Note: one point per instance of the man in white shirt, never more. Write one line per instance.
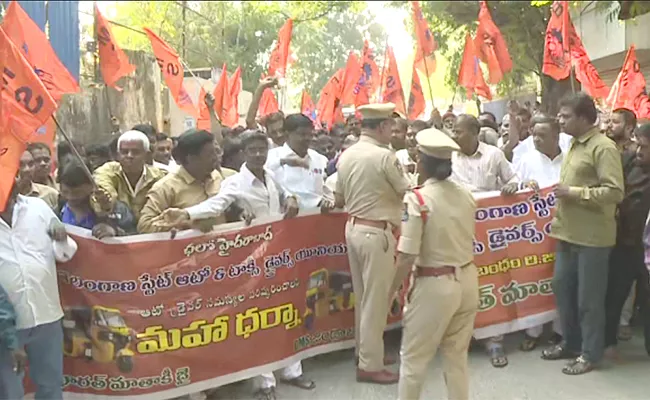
(31, 240)
(295, 166)
(256, 191)
(162, 153)
(482, 168)
(541, 168)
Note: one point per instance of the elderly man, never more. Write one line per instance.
(26, 185)
(591, 185)
(481, 168)
(31, 240)
(127, 180)
(371, 184)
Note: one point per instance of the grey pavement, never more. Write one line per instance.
(527, 377)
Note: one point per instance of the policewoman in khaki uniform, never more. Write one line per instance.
(371, 186)
(437, 236)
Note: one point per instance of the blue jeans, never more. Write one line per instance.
(44, 347)
(580, 287)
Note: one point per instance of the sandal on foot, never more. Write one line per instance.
(529, 343)
(300, 382)
(624, 333)
(265, 394)
(578, 366)
(557, 352)
(498, 357)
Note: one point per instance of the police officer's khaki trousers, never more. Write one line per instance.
(440, 313)
(371, 252)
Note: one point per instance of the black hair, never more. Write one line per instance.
(401, 123)
(541, 118)
(582, 106)
(523, 112)
(38, 146)
(73, 174)
(99, 150)
(147, 129)
(643, 131)
(434, 167)
(338, 129)
(273, 117)
(252, 135)
(238, 130)
(372, 123)
(471, 122)
(191, 142)
(161, 137)
(231, 146)
(489, 114)
(350, 118)
(63, 149)
(320, 132)
(293, 122)
(628, 116)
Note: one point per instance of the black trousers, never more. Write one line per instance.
(626, 264)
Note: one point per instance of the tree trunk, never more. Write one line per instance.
(552, 93)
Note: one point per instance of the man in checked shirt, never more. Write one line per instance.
(482, 168)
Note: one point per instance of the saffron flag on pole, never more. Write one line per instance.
(38, 52)
(470, 75)
(351, 78)
(369, 79)
(231, 102)
(280, 53)
(557, 58)
(628, 91)
(173, 73)
(220, 93)
(113, 63)
(416, 97)
(425, 59)
(327, 108)
(392, 91)
(490, 46)
(26, 104)
(268, 104)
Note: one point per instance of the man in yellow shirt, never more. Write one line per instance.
(194, 182)
(26, 185)
(128, 179)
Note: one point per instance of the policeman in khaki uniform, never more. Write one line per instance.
(437, 237)
(371, 185)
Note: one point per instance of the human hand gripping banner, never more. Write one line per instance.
(150, 317)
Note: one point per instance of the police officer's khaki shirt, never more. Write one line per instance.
(372, 181)
(179, 190)
(447, 238)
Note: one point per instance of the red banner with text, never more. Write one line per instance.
(152, 317)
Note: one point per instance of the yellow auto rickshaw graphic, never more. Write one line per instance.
(99, 334)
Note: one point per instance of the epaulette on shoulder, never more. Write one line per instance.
(424, 210)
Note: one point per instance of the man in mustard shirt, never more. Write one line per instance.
(590, 187)
(194, 182)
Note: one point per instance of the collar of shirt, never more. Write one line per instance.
(480, 151)
(140, 182)
(33, 192)
(250, 177)
(588, 135)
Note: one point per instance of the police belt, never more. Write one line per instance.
(421, 272)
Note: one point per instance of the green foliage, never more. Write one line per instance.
(243, 33)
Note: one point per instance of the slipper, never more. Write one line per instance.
(624, 333)
(300, 382)
(529, 343)
(498, 357)
(578, 366)
(557, 352)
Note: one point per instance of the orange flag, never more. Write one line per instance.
(416, 98)
(268, 104)
(369, 79)
(557, 59)
(392, 91)
(203, 120)
(231, 101)
(280, 53)
(425, 59)
(220, 93)
(327, 108)
(113, 63)
(490, 46)
(629, 90)
(470, 75)
(307, 106)
(26, 104)
(351, 78)
(173, 73)
(35, 47)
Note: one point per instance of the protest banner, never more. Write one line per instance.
(151, 317)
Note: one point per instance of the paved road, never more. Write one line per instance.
(526, 378)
